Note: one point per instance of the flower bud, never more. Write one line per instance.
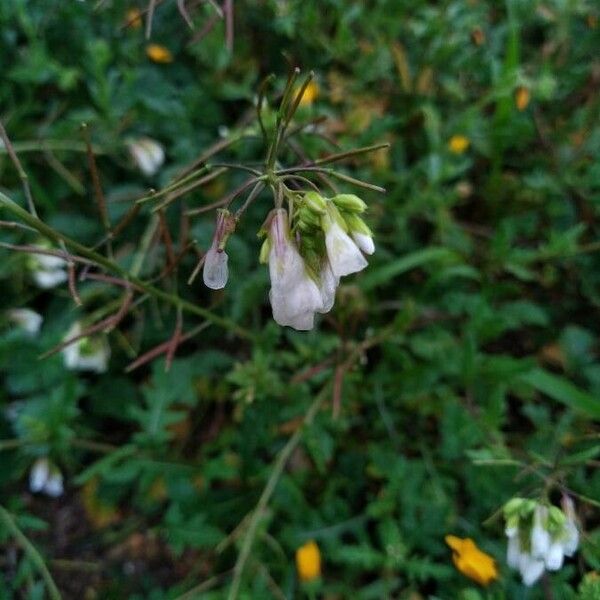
(349, 202)
(315, 202)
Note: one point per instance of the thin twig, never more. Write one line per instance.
(21, 172)
(258, 512)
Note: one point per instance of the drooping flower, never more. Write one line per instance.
(471, 561)
(147, 154)
(89, 353)
(294, 295)
(344, 255)
(46, 477)
(28, 320)
(308, 561)
(539, 536)
(47, 270)
(216, 271)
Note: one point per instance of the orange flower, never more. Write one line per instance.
(308, 561)
(458, 144)
(159, 54)
(311, 93)
(471, 561)
(522, 97)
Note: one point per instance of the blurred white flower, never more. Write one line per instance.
(147, 154)
(294, 295)
(47, 270)
(26, 319)
(86, 354)
(344, 255)
(539, 537)
(46, 478)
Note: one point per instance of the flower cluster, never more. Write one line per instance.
(539, 536)
(308, 249)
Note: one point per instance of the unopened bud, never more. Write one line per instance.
(349, 202)
(315, 202)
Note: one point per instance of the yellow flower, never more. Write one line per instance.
(522, 97)
(311, 93)
(458, 144)
(308, 561)
(133, 18)
(159, 54)
(471, 561)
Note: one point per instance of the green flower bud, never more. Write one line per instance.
(315, 202)
(306, 215)
(349, 202)
(356, 224)
(265, 250)
(512, 507)
(556, 517)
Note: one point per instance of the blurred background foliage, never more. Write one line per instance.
(461, 368)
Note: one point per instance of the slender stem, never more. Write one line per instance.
(114, 267)
(31, 551)
(257, 514)
(342, 155)
(332, 173)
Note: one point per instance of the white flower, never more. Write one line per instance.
(364, 242)
(86, 354)
(540, 537)
(46, 477)
(26, 319)
(147, 154)
(344, 255)
(216, 271)
(571, 533)
(294, 294)
(48, 271)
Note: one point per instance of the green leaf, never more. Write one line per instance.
(410, 261)
(563, 390)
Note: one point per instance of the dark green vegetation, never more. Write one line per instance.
(461, 368)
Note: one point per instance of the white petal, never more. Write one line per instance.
(49, 262)
(531, 569)
(540, 538)
(216, 271)
(49, 279)
(54, 484)
(27, 319)
(327, 287)
(364, 242)
(571, 540)
(554, 556)
(147, 154)
(38, 476)
(343, 253)
(513, 552)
